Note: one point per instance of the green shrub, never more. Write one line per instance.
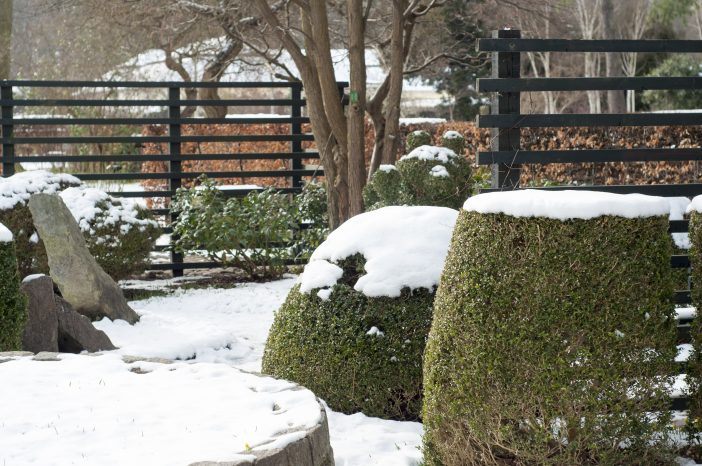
(311, 213)
(676, 65)
(13, 303)
(119, 233)
(552, 343)
(249, 233)
(454, 141)
(354, 329)
(429, 175)
(694, 365)
(416, 139)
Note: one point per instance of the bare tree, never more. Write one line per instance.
(613, 63)
(5, 38)
(589, 22)
(638, 13)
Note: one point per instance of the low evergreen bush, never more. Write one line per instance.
(417, 138)
(118, 233)
(13, 303)
(694, 365)
(354, 329)
(553, 337)
(429, 175)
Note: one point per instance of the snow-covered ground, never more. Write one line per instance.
(207, 328)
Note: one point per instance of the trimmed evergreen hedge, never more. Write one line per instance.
(694, 364)
(552, 343)
(13, 303)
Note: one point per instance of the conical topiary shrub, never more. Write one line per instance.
(553, 336)
(13, 303)
(353, 329)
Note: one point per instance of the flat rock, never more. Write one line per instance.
(81, 280)
(41, 329)
(128, 358)
(46, 356)
(15, 354)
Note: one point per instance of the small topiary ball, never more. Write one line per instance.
(454, 141)
(416, 139)
(553, 338)
(353, 329)
(384, 189)
(13, 303)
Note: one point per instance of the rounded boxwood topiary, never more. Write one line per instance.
(553, 336)
(429, 175)
(454, 141)
(353, 329)
(416, 139)
(13, 303)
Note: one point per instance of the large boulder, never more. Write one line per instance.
(553, 339)
(353, 330)
(80, 279)
(54, 326)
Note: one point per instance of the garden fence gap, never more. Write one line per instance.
(506, 119)
(20, 94)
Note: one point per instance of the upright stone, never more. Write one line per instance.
(78, 276)
(41, 330)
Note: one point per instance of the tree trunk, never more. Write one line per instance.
(5, 38)
(213, 73)
(391, 141)
(356, 109)
(613, 66)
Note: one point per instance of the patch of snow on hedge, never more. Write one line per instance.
(103, 411)
(88, 204)
(5, 234)
(387, 168)
(404, 246)
(452, 135)
(433, 153)
(18, 188)
(695, 205)
(439, 171)
(568, 204)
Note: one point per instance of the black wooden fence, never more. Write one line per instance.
(506, 119)
(18, 94)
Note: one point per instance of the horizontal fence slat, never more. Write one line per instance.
(157, 84)
(666, 190)
(204, 265)
(589, 120)
(680, 261)
(152, 121)
(679, 404)
(192, 175)
(679, 226)
(682, 297)
(149, 102)
(638, 83)
(166, 157)
(579, 45)
(226, 192)
(588, 156)
(156, 139)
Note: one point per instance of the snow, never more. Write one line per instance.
(93, 208)
(375, 331)
(172, 414)
(387, 168)
(17, 189)
(242, 316)
(695, 205)
(404, 246)
(5, 234)
(32, 277)
(439, 171)
(452, 135)
(568, 204)
(432, 153)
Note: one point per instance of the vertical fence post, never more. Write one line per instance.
(8, 146)
(296, 128)
(174, 164)
(505, 65)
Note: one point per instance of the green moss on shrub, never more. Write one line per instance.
(324, 345)
(552, 343)
(13, 303)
